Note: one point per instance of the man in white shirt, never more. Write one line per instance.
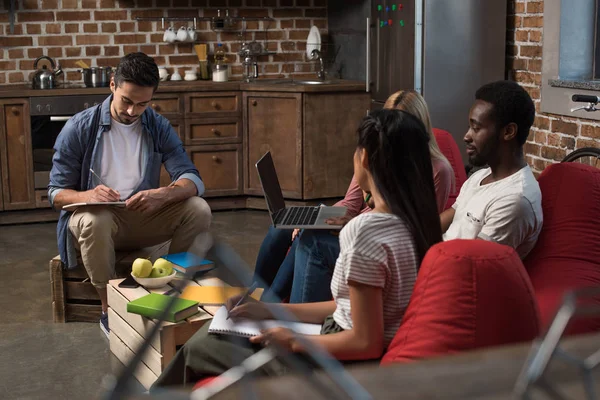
(502, 203)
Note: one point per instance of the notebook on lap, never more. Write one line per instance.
(291, 217)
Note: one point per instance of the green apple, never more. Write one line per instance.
(141, 267)
(164, 264)
(159, 272)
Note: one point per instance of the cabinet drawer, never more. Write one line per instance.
(41, 199)
(220, 168)
(223, 104)
(207, 131)
(167, 104)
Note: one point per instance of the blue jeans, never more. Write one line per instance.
(274, 265)
(316, 255)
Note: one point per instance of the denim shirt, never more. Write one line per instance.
(77, 150)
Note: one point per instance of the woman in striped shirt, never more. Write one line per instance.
(374, 276)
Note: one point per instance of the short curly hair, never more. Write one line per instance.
(139, 69)
(512, 104)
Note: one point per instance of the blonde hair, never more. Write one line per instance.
(413, 103)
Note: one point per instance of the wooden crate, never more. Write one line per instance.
(128, 330)
(74, 298)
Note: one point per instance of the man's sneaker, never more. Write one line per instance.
(104, 324)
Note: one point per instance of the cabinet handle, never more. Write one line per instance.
(254, 103)
(215, 132)
(215, 105)
(216, 159)
(14, 111)
(155, 107)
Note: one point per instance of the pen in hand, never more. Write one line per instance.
(101, 181)
(251, 289)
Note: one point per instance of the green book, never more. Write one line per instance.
(153, 304)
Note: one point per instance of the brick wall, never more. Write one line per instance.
(99, 32)
(552, 136)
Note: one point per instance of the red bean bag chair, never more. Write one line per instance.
(450, 149)
(567, 253)
(469, 294)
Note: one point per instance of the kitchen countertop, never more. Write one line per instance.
(265, 85)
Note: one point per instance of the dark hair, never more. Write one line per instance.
(400, 164)
(137, 68)
(511, 103)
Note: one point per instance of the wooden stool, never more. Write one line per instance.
(74, 298)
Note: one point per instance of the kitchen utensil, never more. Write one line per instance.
(96, 76)
(163, 73)
(201, 53)
(190, 75)
(182, 34)
(192, 34)
(175, 76)
(170, 36)
(81, 64)
(313, 41)
(46, 78)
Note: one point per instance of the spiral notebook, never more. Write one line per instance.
(249, 328)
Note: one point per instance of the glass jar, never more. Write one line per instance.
(220, 73)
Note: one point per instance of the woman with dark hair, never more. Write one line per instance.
(374, 274)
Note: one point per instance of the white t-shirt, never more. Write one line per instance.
(508, 211)
(121, 163)
(378, 250)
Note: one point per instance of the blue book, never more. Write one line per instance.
(189, 263)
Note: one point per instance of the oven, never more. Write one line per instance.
(48, 117)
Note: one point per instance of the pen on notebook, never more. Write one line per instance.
(251, 289)
(98, 177)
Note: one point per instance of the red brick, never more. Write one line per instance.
(69, 3)
(535, 36)
(7, 65)
(15, 41)
(567, 128)
(92, 39)
(521, 36)
(554, 139)
(54, 52)
(534, 92)
(539, 137)
(70, 62)
(2, 78)
(108, 61)
(34, 29)
(513, 22)
(109, 27)
(530, 51)
(73, 15)
(253, 12)
(89, 4)
(533, 22)
(581, 143)
(315, 13)
(146, 13)
(30, 4)
(553, 153)
(90, 28)
(532, 149)
(590, 131)
(145, 26)
(55, 40)
(92, 51)
(71, 28)
(49, 4)
(542, 122)
(298, 34)
(539, 164)
(53, 28)
(15, 77)
(185, 3)
(128, 39)
(183, 60)
(286, 23)
(16, 53)
(519, 8)
(567, 142)
(111, 50)
(73, 51)
(110, 15)
(127, 27)
(535, 7)
(38, 16)
(35, 53)
(108, 4)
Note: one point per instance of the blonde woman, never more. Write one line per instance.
(305, 273)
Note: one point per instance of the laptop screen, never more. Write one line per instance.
(270, 183)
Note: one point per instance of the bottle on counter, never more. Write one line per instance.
(220, 70)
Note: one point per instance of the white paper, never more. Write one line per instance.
(248, 328)
(108, 203)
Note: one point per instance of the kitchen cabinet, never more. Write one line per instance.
(312, 137)
(273, 122)
(220, 167)
(16, 155)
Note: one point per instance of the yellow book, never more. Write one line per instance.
(215, 295)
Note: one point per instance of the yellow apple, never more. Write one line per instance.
(161, 268)
(141, 267)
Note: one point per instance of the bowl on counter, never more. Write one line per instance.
(155, 283)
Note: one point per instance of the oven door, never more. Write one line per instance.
(44, 131)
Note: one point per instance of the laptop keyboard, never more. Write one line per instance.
(299, 216)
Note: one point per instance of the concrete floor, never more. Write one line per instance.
(40, 359)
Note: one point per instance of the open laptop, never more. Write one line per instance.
(283, 217)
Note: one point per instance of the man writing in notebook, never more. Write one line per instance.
(112, 152)
(502, 203)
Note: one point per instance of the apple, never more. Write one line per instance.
(161, 268)
(141, 267)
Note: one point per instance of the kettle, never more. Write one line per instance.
(44, 78)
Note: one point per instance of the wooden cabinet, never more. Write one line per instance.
(311, 136)
(273, 122)
(220, 167)
(213, 130)
(16, 155)
(213, 103)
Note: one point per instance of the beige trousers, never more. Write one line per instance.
(99, 231)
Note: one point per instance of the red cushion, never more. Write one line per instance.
(468, 294)
(450, 149)
(567, 254)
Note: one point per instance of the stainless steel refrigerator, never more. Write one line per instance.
(445, 49)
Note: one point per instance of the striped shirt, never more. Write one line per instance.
(376, 249)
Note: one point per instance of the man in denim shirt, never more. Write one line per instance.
(124, 143)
